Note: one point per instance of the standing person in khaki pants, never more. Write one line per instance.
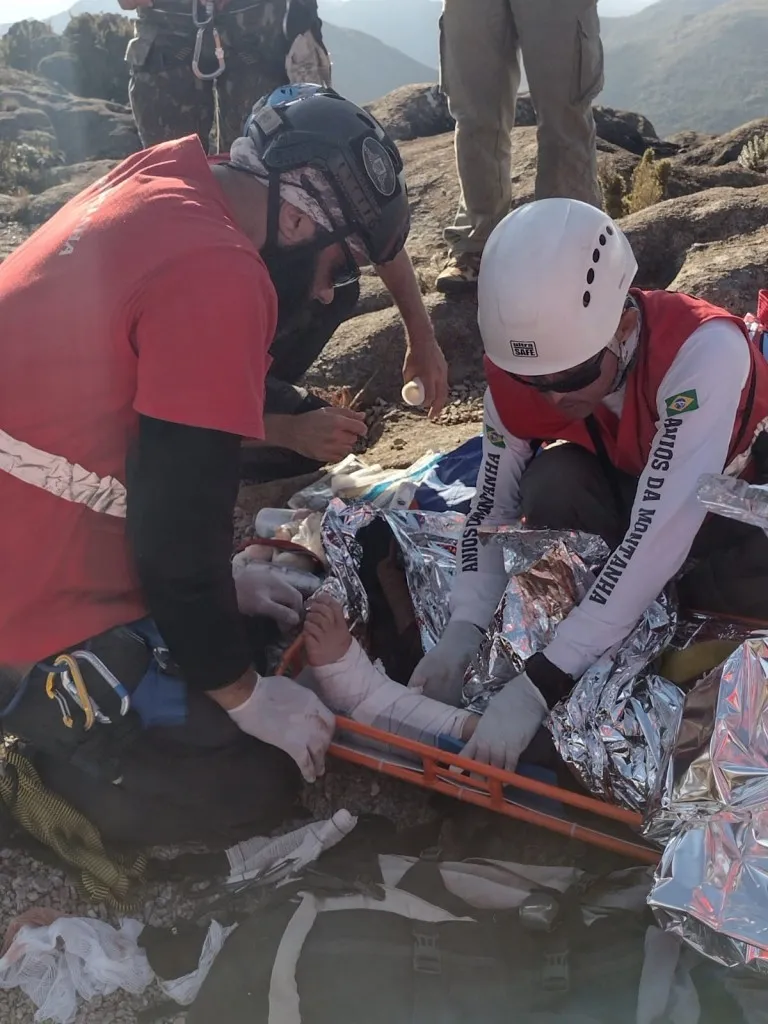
(481, 42)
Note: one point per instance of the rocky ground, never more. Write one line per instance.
(709, 237)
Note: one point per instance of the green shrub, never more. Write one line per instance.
(24, 168)
(649, 183)
(754, 155)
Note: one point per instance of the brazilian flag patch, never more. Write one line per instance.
(495, 438)
(686, 401)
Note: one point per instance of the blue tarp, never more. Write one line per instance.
(450, 484)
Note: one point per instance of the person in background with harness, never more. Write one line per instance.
(131, 648)
(196, 65)
(604, 406)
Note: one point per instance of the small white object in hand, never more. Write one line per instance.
(413, 392)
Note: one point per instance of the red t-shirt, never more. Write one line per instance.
(142, 296)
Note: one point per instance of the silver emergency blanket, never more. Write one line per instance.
(522, 547)
(619, 722)
(711, 887)
(344, 554)
(427, 541)
(550, 582)
(735, 499)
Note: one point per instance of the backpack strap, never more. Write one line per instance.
(609, 470)
(423, 879)
(747, 415)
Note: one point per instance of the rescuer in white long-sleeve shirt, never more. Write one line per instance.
(650, 390)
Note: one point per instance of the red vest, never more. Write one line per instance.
(669, 319)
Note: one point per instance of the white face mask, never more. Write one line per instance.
(627, 349)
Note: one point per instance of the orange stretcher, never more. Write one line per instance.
(478, 784)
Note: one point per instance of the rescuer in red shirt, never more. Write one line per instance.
(136, 326)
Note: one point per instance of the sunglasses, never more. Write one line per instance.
(579, 377)
(350, 272)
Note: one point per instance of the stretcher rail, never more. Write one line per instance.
(479, 784)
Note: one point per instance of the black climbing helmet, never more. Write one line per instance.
(310, 126)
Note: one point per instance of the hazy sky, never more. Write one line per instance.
(10, 9)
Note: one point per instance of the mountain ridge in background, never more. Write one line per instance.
(365, 67)
(698, 64)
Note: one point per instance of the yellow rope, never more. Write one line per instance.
(103, 877)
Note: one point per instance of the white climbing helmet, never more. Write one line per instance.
(553, 281)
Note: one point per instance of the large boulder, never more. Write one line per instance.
(413, 112)
(629, 131)
(82, 129)
(70, 181)
(434, 188)
(368, 350)
(729, 273)
(723, 149)
(420, 111)
(685, 179)
(663, 235)
(24, 119)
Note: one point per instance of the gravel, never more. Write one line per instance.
(27, 882)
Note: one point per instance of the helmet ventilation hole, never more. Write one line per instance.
(596, 256)
(609, 229)
(603, 239)
(590, 276)
(586, 299)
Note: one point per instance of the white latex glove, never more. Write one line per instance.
(291, 717)
(307, 61)
(440, 673)
(510, 722)
(262, 589)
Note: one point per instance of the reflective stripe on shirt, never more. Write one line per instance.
(67, 480)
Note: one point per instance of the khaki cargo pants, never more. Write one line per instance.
(481, 42)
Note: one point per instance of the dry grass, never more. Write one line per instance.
(754, 155)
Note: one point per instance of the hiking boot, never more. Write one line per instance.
(459, 274)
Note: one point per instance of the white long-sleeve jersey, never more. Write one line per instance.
(712, 366)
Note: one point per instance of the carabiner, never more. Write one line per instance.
(76, 687)
(107, 676)
(209, 11)
(218, 49)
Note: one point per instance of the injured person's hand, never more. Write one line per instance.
(351, 685)
(326, 635)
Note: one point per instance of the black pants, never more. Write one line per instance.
(565, 488)
(204, 781)
(297, 345)
(200, 781)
